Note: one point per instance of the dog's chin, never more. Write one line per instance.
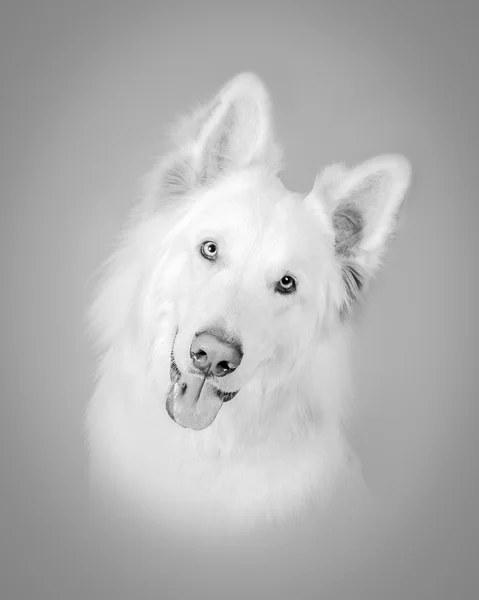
(192, 400)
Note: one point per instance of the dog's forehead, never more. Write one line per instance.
(249, 201)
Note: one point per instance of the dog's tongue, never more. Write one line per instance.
(191, 403)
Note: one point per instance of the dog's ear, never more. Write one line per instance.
(232, 132)
(361, 205)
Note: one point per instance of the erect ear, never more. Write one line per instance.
(231, 132)
(362, 205)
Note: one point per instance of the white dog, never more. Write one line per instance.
(223, 322)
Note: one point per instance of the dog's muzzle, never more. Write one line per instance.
(193, 401)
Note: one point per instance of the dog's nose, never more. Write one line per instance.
(214, 354)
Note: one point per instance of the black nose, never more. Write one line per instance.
(215, 354)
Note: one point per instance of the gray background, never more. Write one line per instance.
(87, 89)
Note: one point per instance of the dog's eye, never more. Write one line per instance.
(209, 250)
(286, 285)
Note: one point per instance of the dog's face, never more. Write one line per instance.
(257, 270)
(254, 270)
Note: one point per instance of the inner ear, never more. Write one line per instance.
(218, 153)
(348, 226)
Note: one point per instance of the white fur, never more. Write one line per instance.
(279, 443)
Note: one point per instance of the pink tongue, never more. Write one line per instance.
(191, 403)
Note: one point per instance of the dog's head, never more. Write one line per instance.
(254, 273)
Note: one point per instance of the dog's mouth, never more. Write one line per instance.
(193, 401)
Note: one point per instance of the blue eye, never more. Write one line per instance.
(286, 285)
(209, 250)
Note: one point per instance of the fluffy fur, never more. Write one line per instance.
(279, 443)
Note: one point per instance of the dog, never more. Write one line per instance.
(223, 321)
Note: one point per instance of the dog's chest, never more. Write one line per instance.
(170, 469)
